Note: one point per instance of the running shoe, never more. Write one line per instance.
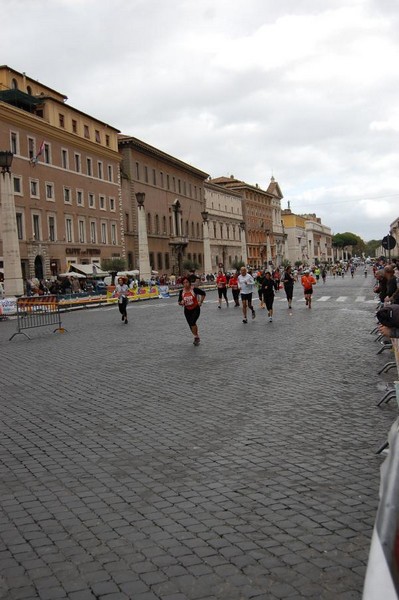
(244, 321)
(219, 306)
(196, 341)
(270, 319)
(253, 314)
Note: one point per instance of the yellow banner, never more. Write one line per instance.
(141, 293)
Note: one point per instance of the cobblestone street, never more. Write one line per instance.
(137, 466)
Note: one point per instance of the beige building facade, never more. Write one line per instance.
(224, 216)
(308, 240)
(261, 211)
(65, 176)
(174, 201)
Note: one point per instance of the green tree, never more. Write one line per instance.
(371, 246)
(113, 265)
(190, 265)
(237, 264)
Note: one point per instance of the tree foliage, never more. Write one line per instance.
(113, 265)
(343, 240)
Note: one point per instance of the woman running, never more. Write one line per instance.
(267, 287)
(288, 280)
(121, 291)
(191, 298)
(233, 283)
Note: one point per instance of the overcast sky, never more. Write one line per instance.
(305, 90)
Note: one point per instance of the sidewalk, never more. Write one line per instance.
(136, 466)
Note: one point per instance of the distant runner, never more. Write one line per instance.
(191, 298)
(308, 281)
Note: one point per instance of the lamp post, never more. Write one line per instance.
(144, 259)
(243, 244)
(207, 244)
(13, 282)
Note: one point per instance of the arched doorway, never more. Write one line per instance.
(39, 267)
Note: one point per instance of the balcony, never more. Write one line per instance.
(176, 240)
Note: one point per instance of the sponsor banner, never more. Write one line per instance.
(8, 306)
(134, 294)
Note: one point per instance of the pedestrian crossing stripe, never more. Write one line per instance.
(341, 299)
(323, 299)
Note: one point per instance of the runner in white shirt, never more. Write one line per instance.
(246, 283)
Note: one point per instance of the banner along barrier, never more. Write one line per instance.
(382, 575)
(37, 311)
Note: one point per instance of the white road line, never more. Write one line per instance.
(360, 299)
(342, 299)
(323, 298)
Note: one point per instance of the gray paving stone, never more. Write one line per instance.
(159, 483)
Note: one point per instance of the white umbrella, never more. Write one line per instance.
(72, 274)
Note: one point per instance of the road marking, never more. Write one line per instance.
(360, 299)
(323, 298)
(342, 299)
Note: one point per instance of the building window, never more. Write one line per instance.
(154, 177)
(160, 263)
(92, 201)
(14, 142)
(110, 173)
(14, 84)
(31, 147)
(148, 223)
(192, 229)
(36, 227)
(164, 231)
(89, 167)
(51, 229)
(167, 182)
(47, 154)
(61, 120)
(157, 224)
(79, 197)
(113, 233)
(49, 191)
(67, 195)
(20, 229)
(161, 176)
(17, 184)
(74, 126)
(198, 231)
(167, 261)
(98, 136)
(137, 171)
(174, 183)
(101, 200)
(146, 174)
(184, 188)
(93, 232)
(100, 169)
(107, 141)
(64, 158)
(112, 204)
(68, 229)
(81, 229)
(86, 132)
(151, 257)
(179, 186)
(103, 233)
(77, 163)
(34, 188)
(127, 222)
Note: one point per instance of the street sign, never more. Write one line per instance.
(388, 242)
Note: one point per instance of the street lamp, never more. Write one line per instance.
(205, 216)
(144, 258)
(13, 283)
(207, 244)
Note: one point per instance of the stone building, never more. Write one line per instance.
(224, 226)
(262, 216)
(308, 240)
(174, 201)
(65, 176)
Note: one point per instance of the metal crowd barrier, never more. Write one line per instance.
(37, 311)
(382, 574)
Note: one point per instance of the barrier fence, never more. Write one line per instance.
(382, 575)
(40, 311)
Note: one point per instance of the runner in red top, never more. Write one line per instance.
(221, 282)
(235, 289)
(308, 281)
(191, 298)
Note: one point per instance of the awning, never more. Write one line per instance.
(91, 270)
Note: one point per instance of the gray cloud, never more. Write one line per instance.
(304, 90)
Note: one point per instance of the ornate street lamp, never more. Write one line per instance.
(13, 283)
(6, 161)
(205, 216)
(144, 258)
(140, 197)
